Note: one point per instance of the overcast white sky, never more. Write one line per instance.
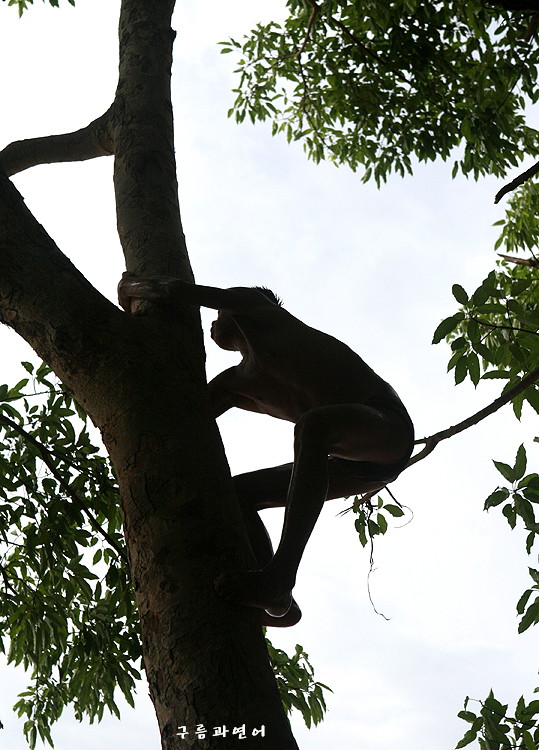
(373, 268)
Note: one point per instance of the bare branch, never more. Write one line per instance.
(520, 180)
(432, 441)
(87, 143)
(533, 262)
(48, 302)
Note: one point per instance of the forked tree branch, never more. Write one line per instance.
(87, 143)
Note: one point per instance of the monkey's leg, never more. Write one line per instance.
(268, 488)
(351, 431)
(270, 589)
(263, 489)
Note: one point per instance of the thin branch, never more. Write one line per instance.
(346, 31)
(533, 262)
(310, 24)
(45, 456)
(432, 441)
(504, 327)
(7, 582)
(87, 143)
(520, 180)
(298, 53)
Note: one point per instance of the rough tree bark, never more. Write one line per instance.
(141, 379)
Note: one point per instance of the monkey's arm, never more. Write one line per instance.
(223, 396)
(237, 299)
(220, 396)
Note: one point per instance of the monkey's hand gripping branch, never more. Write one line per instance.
(87, 143)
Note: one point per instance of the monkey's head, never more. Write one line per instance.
(225, 332)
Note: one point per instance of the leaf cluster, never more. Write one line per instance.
(520, 228)
(495, 334)
(381, 85)
(495, 730)
(67, 612)
(22, 5)
(524, 492)
(518, 503)
(297, 686)
(372, 520)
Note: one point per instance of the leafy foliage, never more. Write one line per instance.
(495, 333)
(495, 730)
(67, 612)
(492, 727)
(372, 520)
(519, 501)
(22, 5)
(520, 229)
(529, 612)
(297, 687)
(377, 85)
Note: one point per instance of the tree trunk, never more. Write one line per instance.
(141, 379)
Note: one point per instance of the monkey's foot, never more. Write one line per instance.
(292, 617)
(256, 588)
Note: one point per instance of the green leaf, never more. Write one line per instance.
(509, 512)
(496, 498)
(381, 522)
(534, 574)
(529, 742)
(467, 716)
(461, 370)
(474, 331)
(481, 295)
(459, 343)
(468, 738)
(473, 368)
(360, 526)
(496, 374)
(532, 397)
(531, 616)
(523, 601)
(446, 327)
(459, 294)
(506, 471)
(525, 510)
